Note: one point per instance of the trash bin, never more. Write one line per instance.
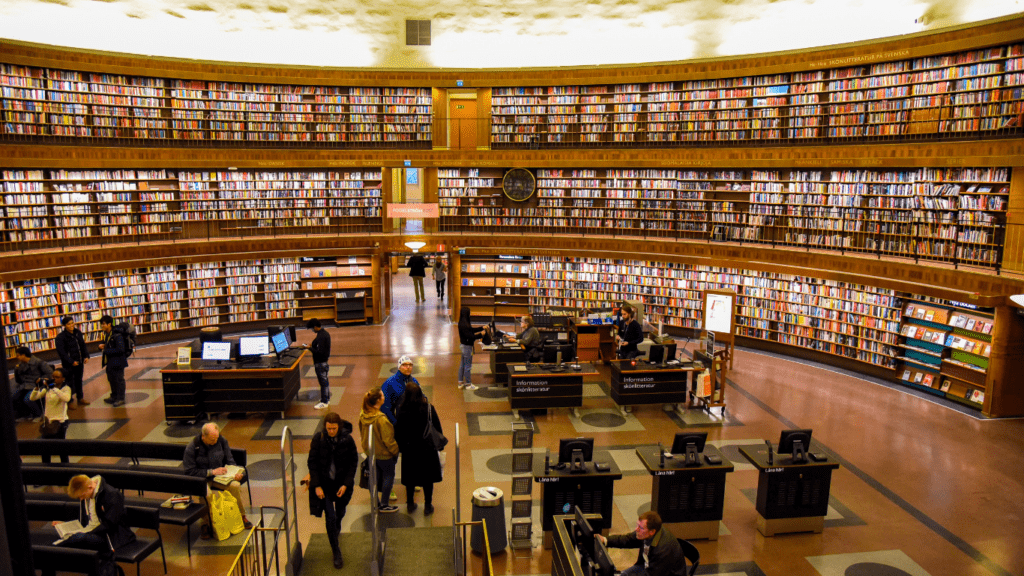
(489, 505)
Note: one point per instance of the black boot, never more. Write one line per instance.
(338, 562)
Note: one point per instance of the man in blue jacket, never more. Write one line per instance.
(115, 360)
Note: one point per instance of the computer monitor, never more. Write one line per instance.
(551, 350)
(691, 444)
(601, 564)
(796, 442)
(661, 353)
(584, 535)
(280, 342)
(216, 351)
(289, 332)
(253, 346)
(575, 452)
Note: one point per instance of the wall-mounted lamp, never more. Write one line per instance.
(415, 246)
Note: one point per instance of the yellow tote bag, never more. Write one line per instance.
(218, 519)
(232, 514)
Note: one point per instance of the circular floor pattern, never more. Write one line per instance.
(603, 420)
(133, 397)
(502, 464)
(491, 392)
(644, 508)
(873, 569)
(183, 430)
(265, 470)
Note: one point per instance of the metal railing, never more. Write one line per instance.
(259, 552)
(460, 543)
(293, 548)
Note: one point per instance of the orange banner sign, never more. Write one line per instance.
(424, 210)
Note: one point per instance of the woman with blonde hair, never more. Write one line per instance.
(385, 449)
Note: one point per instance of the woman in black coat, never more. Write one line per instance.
(421, 462)
(332, 465)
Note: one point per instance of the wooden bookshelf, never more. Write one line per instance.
(45, 102)
(946, 349)
(324, 278)
(495, 286)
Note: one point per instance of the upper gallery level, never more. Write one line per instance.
(963, 83)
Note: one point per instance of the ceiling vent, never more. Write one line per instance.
(417, 32)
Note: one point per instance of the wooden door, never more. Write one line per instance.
(463, 120)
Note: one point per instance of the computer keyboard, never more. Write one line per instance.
(214, 366)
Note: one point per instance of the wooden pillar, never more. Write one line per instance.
(1013, 246)
(378, 293)
(386, 190)
(483, 110)
(428, 183)
(455, 287)
(440, 127)
(1004, 393)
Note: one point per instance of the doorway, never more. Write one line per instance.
(462, 113)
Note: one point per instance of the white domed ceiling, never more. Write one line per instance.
(473, 33)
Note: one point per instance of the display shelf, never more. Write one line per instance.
(495, 286)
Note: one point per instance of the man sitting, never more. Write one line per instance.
(101, 513)
(659, 554)
(207, 456)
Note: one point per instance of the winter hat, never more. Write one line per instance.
(404, 360)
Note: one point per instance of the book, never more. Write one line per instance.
(930, 315)
(978, 396)
(920, 313)
(229, 476)
(906, 375)
(66, 529)
(978, 347)
(910, 310)
(970, 324)
(987, 328)
(927, 381)
(937, 337)
(988, 350)
(918, 377)
(945, 385)
(912, 331)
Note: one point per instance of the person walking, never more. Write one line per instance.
(332, 466)
(70, 345)
(439, 272)
(115, 360)
(467, 338)
(321, 348)
(55, 394)
(385, 449)
(421, 462)
(418, 270)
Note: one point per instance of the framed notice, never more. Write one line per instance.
(718, 311)
(185, 356)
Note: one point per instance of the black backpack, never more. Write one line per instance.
(127, 332)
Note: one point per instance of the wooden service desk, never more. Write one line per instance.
(501, 356)
(191, 392)
(560, 490)
(539, 387)
(790, 497)
(648, 384)
(688, 498)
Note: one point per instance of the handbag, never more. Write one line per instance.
(218, 519)
(49, 428)
(364, 474)
(433, 435)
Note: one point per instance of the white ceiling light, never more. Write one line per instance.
(415, 246)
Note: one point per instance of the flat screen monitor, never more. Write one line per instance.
(280, 342)
(584, 534)
(662, 353)
(602, 564)
(552, 349)
(289, 332)
(796, 442)
(217, 351)
(253, 346)
(691, 444)
(575, 451)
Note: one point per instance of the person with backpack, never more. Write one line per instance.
(116, 348)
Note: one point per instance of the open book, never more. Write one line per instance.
(229, 476)
(66, 529)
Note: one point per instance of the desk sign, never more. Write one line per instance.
(185, 356)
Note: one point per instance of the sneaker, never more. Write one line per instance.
(461, 385)
(117, 403)
(472, 387)
(109, 400)
(320, 406)
(393, 497)
(387, 509)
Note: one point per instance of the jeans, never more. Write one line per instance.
(22, 405)
(385, 479)
(417, 284)
(334, 511)
(466, 367)
(634, 570)
(73, 376)
(440, 288)
(62, 433)
(117, 385)
(321, 370)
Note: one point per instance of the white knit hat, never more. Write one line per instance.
(404, 360)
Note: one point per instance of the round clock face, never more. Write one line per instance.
(519, 184)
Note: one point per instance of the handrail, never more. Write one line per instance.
(488, 566)
(248, 560)
(376, 539)
(458, 475)
(291, 517)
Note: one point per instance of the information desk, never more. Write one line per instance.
(648, 384)
(501, 356)
(560, 490)
(191, 392)
(689, 499)
(790, 497)
(540, 387)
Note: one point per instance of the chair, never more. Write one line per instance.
(692, 555)
(141, 548)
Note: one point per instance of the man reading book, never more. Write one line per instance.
(209, 456)
(102, 524)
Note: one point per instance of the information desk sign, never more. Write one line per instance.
(544, 386)
(791, 497)
(638, 382)
(689, 499)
